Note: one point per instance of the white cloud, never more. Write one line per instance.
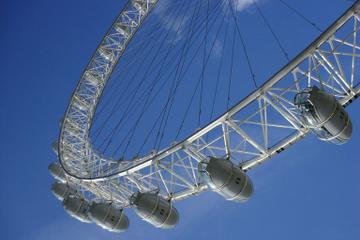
(217, 49)
(178, 23)
(241, 5)
(171, 21)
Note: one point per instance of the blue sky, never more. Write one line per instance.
(310, 191)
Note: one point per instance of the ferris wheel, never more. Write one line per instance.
(307, 96)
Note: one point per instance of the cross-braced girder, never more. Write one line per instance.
(256, 129)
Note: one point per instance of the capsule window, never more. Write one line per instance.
(342, 115)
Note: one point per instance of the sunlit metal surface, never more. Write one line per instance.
(256, 129)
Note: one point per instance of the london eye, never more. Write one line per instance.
(121, 147)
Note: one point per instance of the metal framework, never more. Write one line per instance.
(256, 129)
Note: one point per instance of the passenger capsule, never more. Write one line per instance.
(227, 179)
(77, 208)
(62, 190)
(324, 115)
(108, 217)
(57, 172)
(155, 210)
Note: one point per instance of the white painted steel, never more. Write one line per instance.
(256, 129)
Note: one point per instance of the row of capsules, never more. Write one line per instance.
(321, 113)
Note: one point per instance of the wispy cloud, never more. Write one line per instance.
(170, 20)
(241, 5)
(217, 50)
(177, 23)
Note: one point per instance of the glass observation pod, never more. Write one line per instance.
(324, 115)
(230, 181)
(109, 217)
(77, 207)
(61, 190)
(57, 172)
(155, 210)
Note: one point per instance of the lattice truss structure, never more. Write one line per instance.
(256, 129)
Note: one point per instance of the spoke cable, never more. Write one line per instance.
(301, 15)
(267, 23)
(132, 131)
(195, 90)
(158, 76)
(231, 70)
(189, 64)
(219, 68)
(205, 64)
(109, 139)
(251, 70)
